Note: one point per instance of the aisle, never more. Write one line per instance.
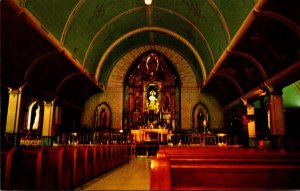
(132, 176)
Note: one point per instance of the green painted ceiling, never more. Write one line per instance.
(291, 95)
(229, 44)
(87, 28)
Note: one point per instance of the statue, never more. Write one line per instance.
(103, 118)
(200, 121)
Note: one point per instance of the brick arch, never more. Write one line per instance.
(184, 69)
(113, 90)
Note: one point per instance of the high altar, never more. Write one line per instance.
(151, 104)
(150, 135)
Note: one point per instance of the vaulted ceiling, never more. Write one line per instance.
(235, 47)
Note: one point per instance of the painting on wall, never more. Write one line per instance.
(103, 116)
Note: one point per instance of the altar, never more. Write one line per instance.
(146, 136)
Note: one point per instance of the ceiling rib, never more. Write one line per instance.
(297, 88)
(194, 27)
(70, 19)
(149, 13)
(31, 20)
(53, 96)
(103, 28)
(222, 19)
(232, 80)
(243, 28)
(252, 60)
(144, 29)
(64, 80)
(285, 21)
(37, 61)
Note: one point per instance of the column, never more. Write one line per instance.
(276, 119)
(251, 126)
(130, 108)
(173, 120)
(13, 117)
(48, 124)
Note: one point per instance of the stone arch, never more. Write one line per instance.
(189, 86)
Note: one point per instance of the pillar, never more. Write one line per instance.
(276, 119)
(173, 117)
(12, 135)
(130, 109)
(251, 126)
(48, 124)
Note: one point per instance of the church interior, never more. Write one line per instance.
(209, 90)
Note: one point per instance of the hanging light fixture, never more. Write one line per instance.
(148, 2)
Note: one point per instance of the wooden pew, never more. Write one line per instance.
(87, 163)
(95, 160)
(30, 169)
(113, 156)
(108, 158)
(7, 163)
(160, 176)
(101, 151)
(58, 168)
(199, 169)
(59, 171)
(234, 176)
(76, 165)
(119, 156)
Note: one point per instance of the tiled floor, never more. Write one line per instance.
(132, 176)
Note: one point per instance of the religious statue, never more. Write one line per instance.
(35, 125)
(103, 118)
(200, 120)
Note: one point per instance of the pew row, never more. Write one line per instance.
(7, 157)
(58, 168)
(227, 169)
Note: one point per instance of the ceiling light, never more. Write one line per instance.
(148, 2)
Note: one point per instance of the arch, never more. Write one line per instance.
(236, 84)
(185, 71)
(282, 19)
(252, 60)
(66, 79)
(156, 29)
(37, 61)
